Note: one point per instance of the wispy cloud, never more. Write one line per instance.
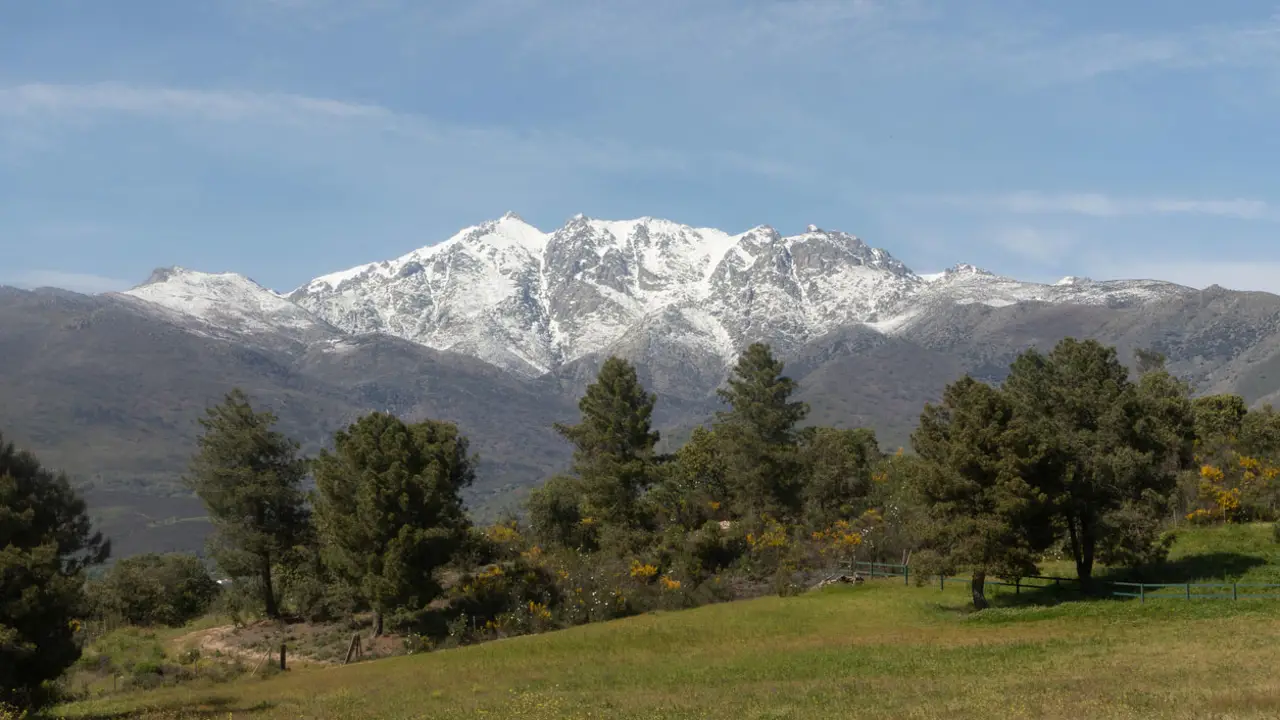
(77, 103)
(1102, 205)
(40, 98)
(76, 282)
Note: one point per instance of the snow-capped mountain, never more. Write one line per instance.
(529, 301)
(220, 303)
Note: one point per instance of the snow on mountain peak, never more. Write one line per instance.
(527, 300)
(229, 301)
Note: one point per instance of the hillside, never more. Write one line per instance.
(500, 327)
(877, 650)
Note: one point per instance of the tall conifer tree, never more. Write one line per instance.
(249, 476)
(388, 507)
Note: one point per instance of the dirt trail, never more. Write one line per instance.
(237, 643)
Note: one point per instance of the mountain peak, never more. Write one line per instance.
(1073, 280)
(161, 274)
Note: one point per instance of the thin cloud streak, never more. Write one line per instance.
(76, 103)
(1106, 206)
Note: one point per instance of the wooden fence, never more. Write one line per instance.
(1142, 591)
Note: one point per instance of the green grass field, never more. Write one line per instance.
(880, 650)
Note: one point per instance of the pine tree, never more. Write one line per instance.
(982, 513)
(1106, 449)
(46, 543)
(838, 464)
(614, 444)
(760, 435)
(250, 479)
(388, 507)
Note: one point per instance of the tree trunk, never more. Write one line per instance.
(979, 587)
(377, 623)
(1082, 556)
(268, 590)
(1087, 543)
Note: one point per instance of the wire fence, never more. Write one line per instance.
(1141, 591)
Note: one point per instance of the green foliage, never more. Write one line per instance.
(984, 513)
(838, 465)
(613, 456)
(760, 436)
(1104, 449)
(388, 507)
(694, 488)
(155, 589)
(1218, 420)
(557, 517)
(46, 543)
(249, 477)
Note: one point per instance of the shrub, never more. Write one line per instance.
(155, 589)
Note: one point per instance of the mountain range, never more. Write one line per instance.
(501, 326)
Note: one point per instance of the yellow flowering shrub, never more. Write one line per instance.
(643, 571)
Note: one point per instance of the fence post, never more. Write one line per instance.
(942, 581)
(1142, 593)
(906, 575)
(1235, 591)
(1188, 591)
(1017, 586)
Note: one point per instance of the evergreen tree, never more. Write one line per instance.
(250, 479)
(388, 507)
(1219, 420)
(838, 464)
(981, 512)
(694, 486)
(759, 432)
(614, 445)
(46, 543)
(556, 515)
(1107, 450)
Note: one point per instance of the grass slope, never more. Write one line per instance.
(880, 650)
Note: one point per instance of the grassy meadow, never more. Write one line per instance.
(879, 650)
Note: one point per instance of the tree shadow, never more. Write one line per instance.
(217, 706)
(1205, 568)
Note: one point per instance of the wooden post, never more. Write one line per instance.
(906, 575)
(353, 650)
(283, 666)
(1188, 591)
(1142, 593)
(1017, 586)
(942, 581)
(1235, 591)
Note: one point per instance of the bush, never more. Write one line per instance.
(155, 589)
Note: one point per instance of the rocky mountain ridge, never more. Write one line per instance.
(531, 302)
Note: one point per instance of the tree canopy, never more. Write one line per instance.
(249, 476)
(613, 442)
(760, 431)
(388, 507)
(46, 543)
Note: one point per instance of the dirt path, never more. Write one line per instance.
(237, 643)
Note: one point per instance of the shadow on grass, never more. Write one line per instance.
(1207, 568)
(217, 706)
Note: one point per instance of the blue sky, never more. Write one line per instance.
(289, 138)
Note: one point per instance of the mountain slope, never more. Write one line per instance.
(502, 326)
